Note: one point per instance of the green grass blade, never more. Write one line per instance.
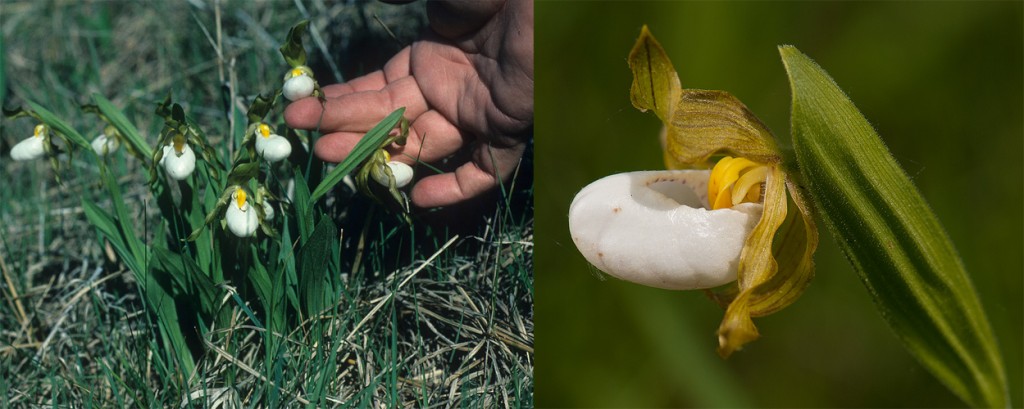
(892, 238)
(53, 121)
(123, 125)
(363, 149)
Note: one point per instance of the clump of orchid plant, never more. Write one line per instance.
(743, 227)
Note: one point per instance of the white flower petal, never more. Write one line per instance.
(653, 228)
(178, 167)
(241, 221)
(104, 145)
(28, 149)
(298, 87)
(273, 148)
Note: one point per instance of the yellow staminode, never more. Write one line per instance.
(734, 181)
(179, 143)
(240, 197)
(40, 129)
(387, 156)
(296, 72)
(264, 130)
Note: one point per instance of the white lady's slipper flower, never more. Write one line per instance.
(178, 159)
(104, 145)
(656, 228)
(401, 171)
(685, 232)
(241, 218)
(271, 146)
(298, 83)
(32, 147)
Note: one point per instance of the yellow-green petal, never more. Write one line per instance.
(757, 266)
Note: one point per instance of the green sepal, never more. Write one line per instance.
(892, 239)
(292, 50)
(15, 113)
(698, 123)
(215, 213)
(655, 85)
(260, 107)
(243, 172)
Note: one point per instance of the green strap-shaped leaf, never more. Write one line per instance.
(892, 238)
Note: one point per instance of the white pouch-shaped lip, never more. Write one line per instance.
(654, 228)
(28, 149)
(241, 220)
(273, 148)
(298, 87)
(178, 167)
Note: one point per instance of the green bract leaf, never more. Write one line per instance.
(363, 149)
(892, 238)
(292, 50)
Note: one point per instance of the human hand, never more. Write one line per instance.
(468, 83)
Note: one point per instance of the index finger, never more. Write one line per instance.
(359, 111)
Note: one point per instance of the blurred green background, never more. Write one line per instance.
(942, 84)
